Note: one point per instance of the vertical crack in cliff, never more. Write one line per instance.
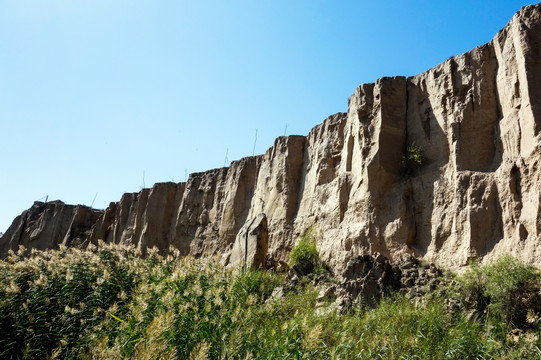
(408, 194)
(498, 141)
(246, 241)
(22, 229)
(300, 176)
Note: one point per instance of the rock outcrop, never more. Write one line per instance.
(47, 225)
(364, 281)
(367, 279)
(476, 118)
(251, 245)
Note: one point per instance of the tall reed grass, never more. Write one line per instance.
(109, 302)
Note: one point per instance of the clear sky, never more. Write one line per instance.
(105, 97)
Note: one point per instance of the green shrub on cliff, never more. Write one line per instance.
(413, 159)
(305, 251)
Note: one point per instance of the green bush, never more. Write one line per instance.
(413, 159)
(305, 251)
(505, 290)
(414, 154)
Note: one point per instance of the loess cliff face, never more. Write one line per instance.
(47, 225)
(477, 193)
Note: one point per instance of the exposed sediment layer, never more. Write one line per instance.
(476, 117)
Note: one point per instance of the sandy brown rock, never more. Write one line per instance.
(251, 245)
(47, 225)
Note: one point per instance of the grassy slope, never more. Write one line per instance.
(110, 303)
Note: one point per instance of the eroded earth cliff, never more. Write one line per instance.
(476, 119)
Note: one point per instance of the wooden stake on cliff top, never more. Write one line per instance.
(255, 141)
(95, 196)
(226, 160)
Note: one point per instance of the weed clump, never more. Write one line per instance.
(305, 255)
(506, 291)
(305, 251)
(413, 159)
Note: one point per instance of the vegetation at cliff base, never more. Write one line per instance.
(110, 302)
(305, 251)
(306, 254)
(506, 291)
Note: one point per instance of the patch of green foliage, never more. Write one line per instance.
(112, 303)
(506, 292)
(305, 251)
(413, 159)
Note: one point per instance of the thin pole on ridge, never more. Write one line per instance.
(95, 196)
(255, 141)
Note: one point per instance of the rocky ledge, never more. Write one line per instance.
(364, 281)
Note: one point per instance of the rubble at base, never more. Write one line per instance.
(365, 280)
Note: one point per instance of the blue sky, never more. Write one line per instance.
(103, 97)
